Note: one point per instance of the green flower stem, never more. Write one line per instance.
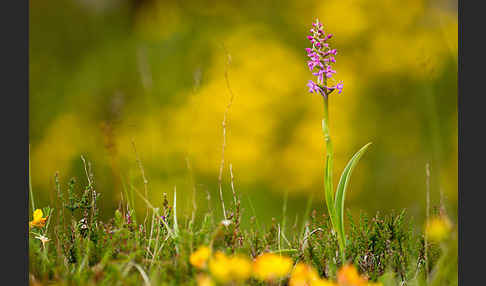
(328, 186)
(325, 128)
(329, 158)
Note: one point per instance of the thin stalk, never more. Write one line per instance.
(427, 216)
(284, 210)
(191, 178)
(329, 190)
(329, 159)
(327, 136)
(30, 186)
(145, 181)
(306, 213)
(224, 123)
(176, 226)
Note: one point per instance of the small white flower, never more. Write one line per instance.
(226, 222)
(43, 239)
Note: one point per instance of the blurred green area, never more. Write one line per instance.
(104, 73)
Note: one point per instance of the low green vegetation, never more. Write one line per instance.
(70, 245)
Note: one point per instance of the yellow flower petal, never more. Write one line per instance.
(225, 269)
(438, 228)
(204, 280)
(240, 268)
(219, 267)
(38, 214)
(200, 257)
(38, 219)
(348, 276)
(270, 266)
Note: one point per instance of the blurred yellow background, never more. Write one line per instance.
(104, 73)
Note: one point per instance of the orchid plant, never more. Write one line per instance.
(321, 58)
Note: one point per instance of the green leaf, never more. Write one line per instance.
(341, 191)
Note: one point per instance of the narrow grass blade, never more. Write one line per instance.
(176, 226)
(30, 186)
(156, 210)
(341, 190)
(306, 213)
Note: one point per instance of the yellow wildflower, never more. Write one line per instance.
(306, 275)
(200, 257)
(225, 269)
(437, 228)
(302, 275)
(322, 282)
(38, 220)
(240, 268)
(348, 276)
(219, 267)
(204, 280)
(269, 266)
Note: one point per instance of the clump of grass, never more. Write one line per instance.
(84, 250)
(383, 242)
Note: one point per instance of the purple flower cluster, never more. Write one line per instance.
(320, 59)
